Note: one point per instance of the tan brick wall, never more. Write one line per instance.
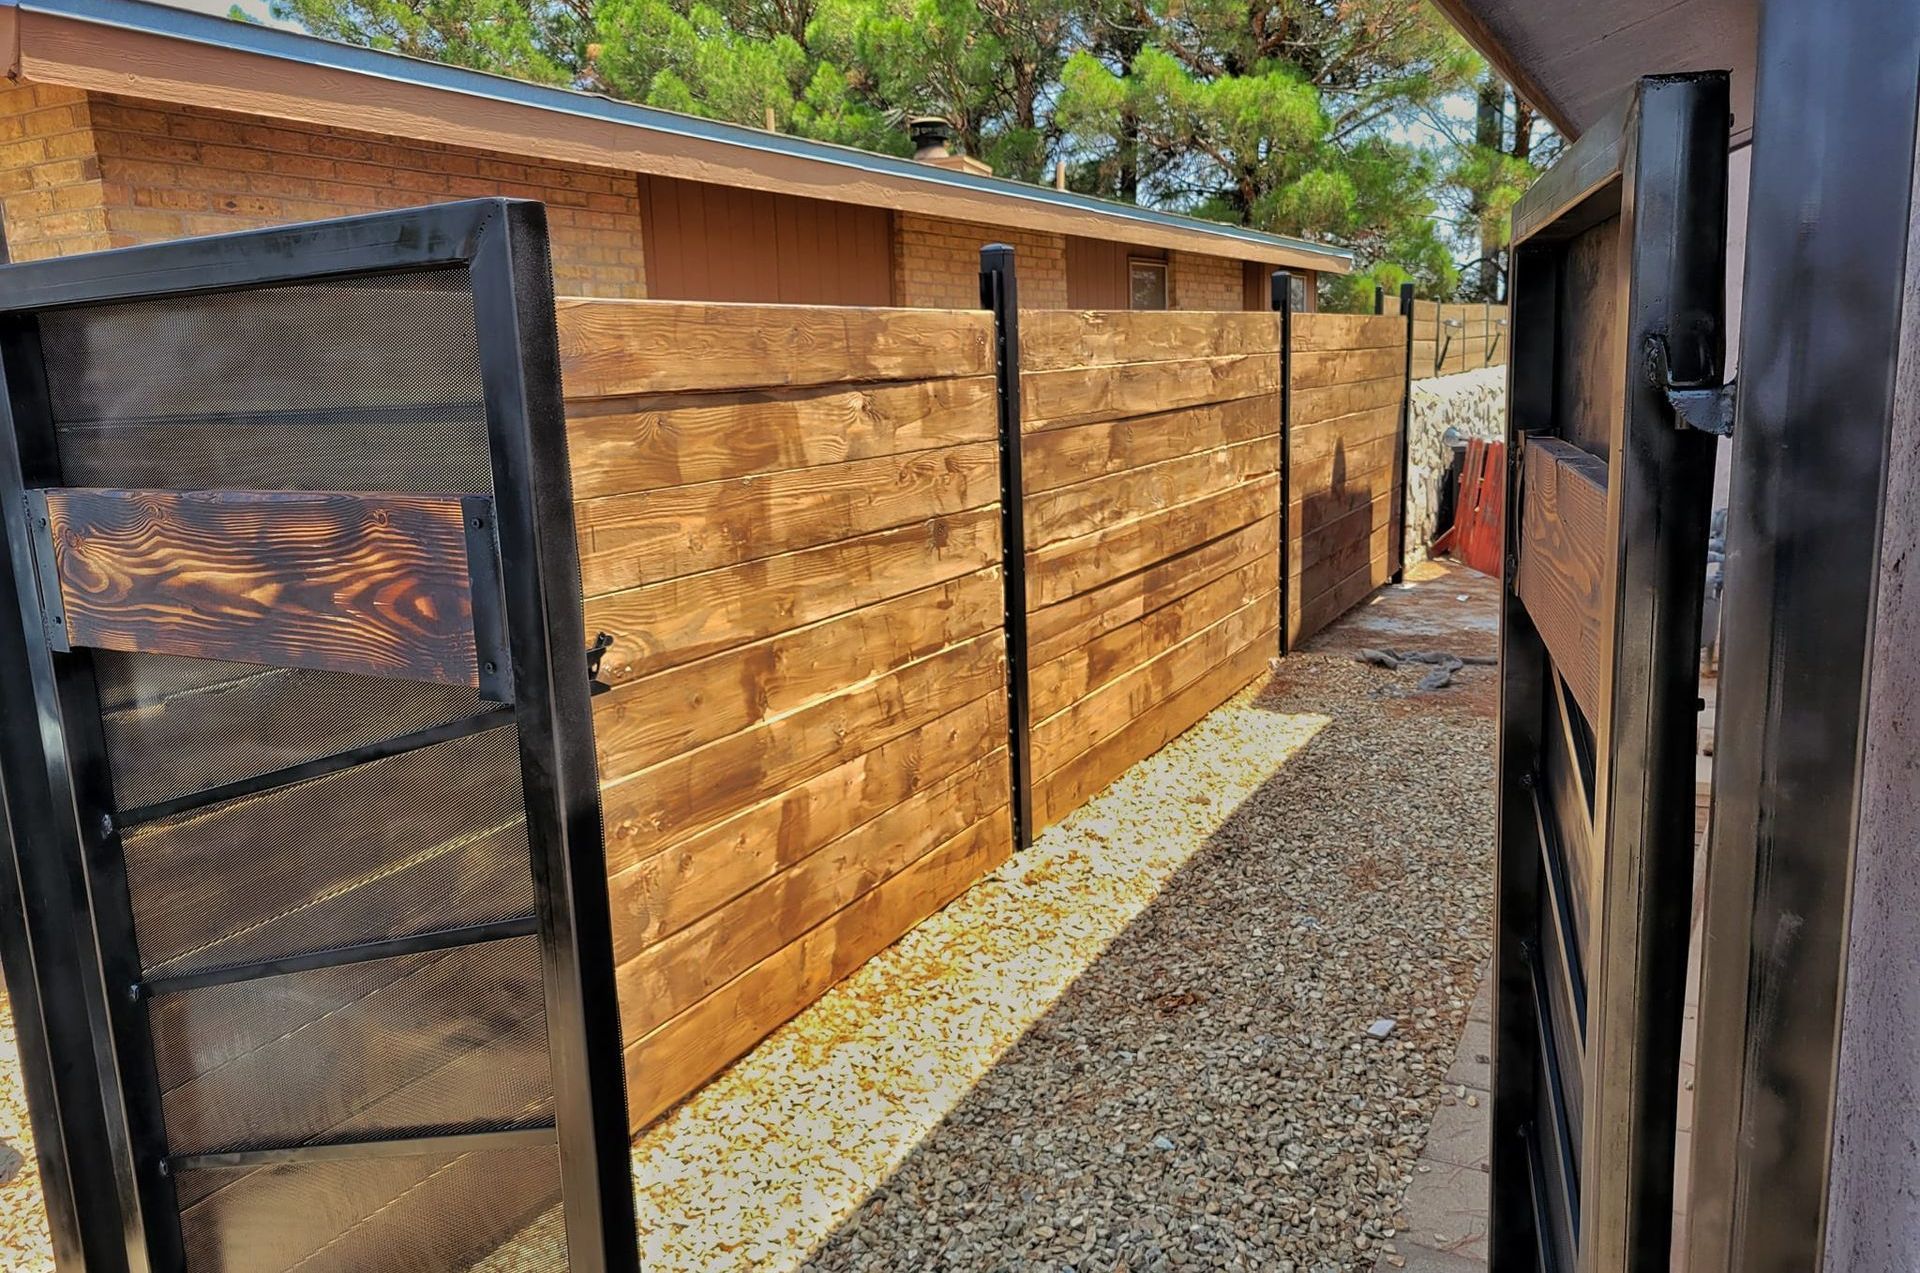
(936, 263)
(1207, 282)
(171, 171)
(51, 194)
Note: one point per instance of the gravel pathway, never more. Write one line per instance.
(1143, 1044)
(24, 1244)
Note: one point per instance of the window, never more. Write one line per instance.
(1146, 284)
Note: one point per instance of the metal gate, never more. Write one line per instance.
(299, 759)
(1615, 392)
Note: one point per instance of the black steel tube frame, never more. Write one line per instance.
(110, 1191)
(1000, 294)
(1824, 346)
(1401, 474)
(1281, 298)
(1663, 173)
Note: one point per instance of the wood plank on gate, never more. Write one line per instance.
(338, 581)
(615, 347)
(1562, 572)
(1319, 371)
(1328, 333)
(620, 446)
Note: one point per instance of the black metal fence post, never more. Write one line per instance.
(1379, 299)
(1282, 301)
(1406, 429)
(999, 293)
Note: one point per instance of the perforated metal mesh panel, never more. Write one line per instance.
(495, 1212)
(366, 384)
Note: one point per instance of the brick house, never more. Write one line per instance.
(125, 122)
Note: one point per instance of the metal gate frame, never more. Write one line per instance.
(1659, 164)
(70, 951)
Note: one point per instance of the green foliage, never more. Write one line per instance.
(1286, 115)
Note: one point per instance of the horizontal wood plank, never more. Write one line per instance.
(343, 582)
(648, 811)
(621, 446)
(1078, 395)
(1071, 511)
(1322, 332)
(672, 975)
(1561, 576)
(1060, 570)
(645, 721)
(614, 347)
(663, 892)
(671, 1061)
(1062, 681)
(1312, 406)
(628, 540)
(1056, 629)
(1072, 785)
(1115, 705)
(1057, 338)
(1321, 370)
(660, 625)
(1079, 453)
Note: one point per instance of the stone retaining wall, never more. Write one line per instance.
(1474, 403)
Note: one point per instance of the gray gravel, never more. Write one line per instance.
(1207, 1094)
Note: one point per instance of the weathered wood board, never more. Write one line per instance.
(1150, 454)
(1344, 452)
(789, 522)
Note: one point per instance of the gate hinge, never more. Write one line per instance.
(1708, 408)
(602, 642)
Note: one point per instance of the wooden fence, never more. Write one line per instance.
(1455, 336)
(1150, 451)
(1344, 480)
(789, 523)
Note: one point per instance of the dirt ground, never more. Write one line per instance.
(1204, 1023)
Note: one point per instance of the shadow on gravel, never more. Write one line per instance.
(1208, 1094)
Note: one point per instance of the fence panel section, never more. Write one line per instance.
(1150, 451)
(1457, 336)
(1344, 482)
(788, 521)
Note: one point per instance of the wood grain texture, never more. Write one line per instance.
(1084, 777)
(648, 720)
(1311, 406)
(1080, 453)
(1071, 511)
(666, 1063)
(1060, 570)
(1056, 629)
(1078, 395)
(609, 348)
(1562, 573)
(626, 540)
(1053, 339)
(1322, 333)
(650, 810)
(1321, 370)
(663, 892)
(620, 446)
(677, 972)
(376, 584)
(660, 625)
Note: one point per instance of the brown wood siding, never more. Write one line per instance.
(723, 243)
(1097, 272)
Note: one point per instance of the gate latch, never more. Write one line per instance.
(596, 652)
(1708, 408)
